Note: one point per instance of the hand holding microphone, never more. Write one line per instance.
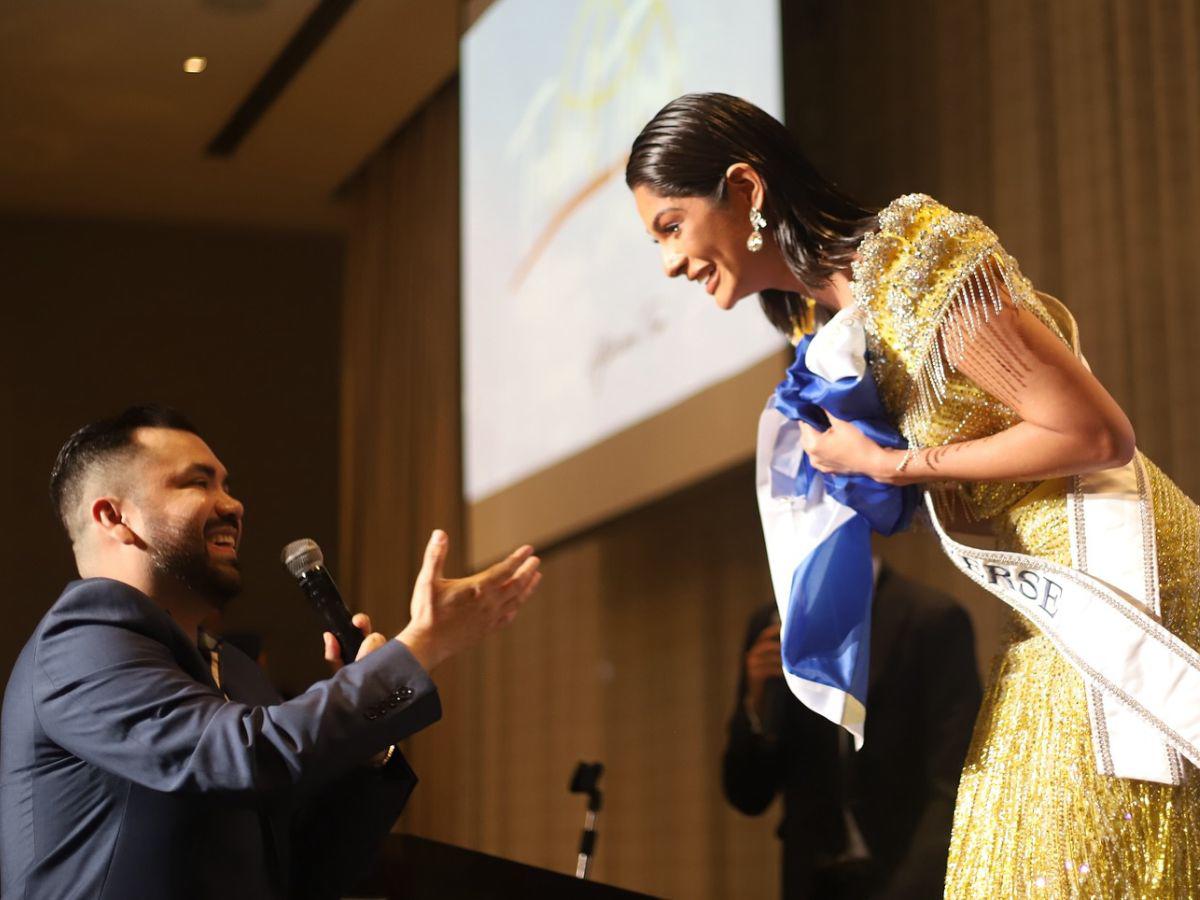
(371, 641)
(305, 561)
(448, 615)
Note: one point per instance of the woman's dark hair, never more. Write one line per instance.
(685, 150)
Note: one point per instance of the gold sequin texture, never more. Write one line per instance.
(1033, 818)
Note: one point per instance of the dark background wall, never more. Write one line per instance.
(238, 329)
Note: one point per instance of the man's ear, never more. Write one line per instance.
(106, 512)
(745, 182)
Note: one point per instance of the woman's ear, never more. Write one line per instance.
(744, 182)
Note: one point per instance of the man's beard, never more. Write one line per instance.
(184, 556)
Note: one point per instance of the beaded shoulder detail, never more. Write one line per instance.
(927, 267)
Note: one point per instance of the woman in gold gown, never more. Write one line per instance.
(1000, 414)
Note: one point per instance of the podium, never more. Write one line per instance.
(415, 868)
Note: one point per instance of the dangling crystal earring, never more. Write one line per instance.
(754, 243)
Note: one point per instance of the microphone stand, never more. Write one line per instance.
(584, 782)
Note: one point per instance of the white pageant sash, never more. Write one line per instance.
(1111, 518)
(1104, 616)
(1146, 674)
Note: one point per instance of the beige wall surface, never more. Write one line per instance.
(234, 328)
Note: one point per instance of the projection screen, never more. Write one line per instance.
(592, 383)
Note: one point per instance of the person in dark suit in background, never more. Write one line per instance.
(876, 822)
(141, 757)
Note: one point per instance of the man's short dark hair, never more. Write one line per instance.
(102, 442)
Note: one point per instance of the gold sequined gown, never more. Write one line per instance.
(1033, 816)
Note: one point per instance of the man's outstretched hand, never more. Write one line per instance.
(450, 615)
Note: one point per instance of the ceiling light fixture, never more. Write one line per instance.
(194, 65)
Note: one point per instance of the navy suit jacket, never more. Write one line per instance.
(125, 772)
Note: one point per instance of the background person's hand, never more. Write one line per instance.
(762, 662)
(372, 640)
(450, 615)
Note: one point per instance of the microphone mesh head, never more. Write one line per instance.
(301, 556)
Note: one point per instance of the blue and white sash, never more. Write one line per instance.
(818, 526)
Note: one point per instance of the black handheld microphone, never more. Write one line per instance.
(305, 561)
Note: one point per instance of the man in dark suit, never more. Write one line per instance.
(140, 757)
(876, 822)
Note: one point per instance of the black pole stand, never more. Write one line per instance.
(584, 782)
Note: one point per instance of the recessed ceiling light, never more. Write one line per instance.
(194, 65)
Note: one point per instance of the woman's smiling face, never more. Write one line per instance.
(706, 241)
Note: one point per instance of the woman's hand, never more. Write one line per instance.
(844, 450)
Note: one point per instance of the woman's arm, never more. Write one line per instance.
(1069, 422)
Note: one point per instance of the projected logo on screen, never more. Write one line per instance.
(568, 322)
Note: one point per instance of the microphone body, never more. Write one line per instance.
(318, 586)
(307, 565)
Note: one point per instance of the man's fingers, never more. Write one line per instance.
(371, 643)
(435, 557)
(532, 586)
(362, 622)
(333, 651)
(506, 568)
(510, 609)
(515, 586)
(527, 568)
(519, 583)
(522, 590)
(332, 647)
